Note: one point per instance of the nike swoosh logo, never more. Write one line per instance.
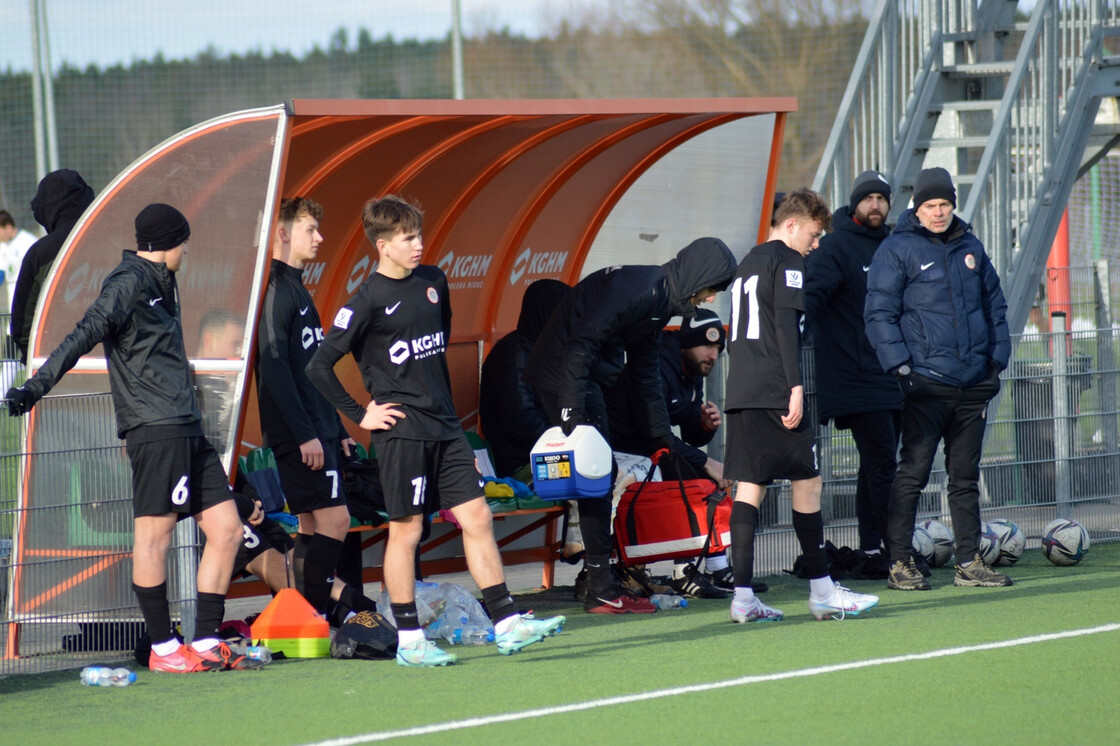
(303, 311)
(617, 603)
(154, 301)
(692, 322)
(926, 266)
(867, 269)
(565, 414)
(389, 310)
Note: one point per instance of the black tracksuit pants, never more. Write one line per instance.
(876, 436)
(932, 412)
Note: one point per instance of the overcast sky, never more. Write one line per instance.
(107, 32)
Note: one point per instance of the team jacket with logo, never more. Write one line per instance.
(935, 300)
(849, 377)
(292, 410)
(136, 317)
(398, 332)
(771, 276)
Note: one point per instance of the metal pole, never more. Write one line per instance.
(37, 94)
(1063, 493)
(50, 130)
(456, 50)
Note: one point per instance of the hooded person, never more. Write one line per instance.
(509, 413)
(61, 199)
(611, 317)
(852, 388)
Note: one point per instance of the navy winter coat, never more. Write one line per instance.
(849, 377)
(934, 300)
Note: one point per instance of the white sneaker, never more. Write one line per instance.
(842, 602)
(755, 611)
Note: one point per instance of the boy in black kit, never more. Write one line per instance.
(767, 436)
(300, 426)
(175, 470)
(397, 327)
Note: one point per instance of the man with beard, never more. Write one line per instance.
(852, 387)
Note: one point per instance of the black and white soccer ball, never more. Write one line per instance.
(923, 544)
(942, 541)
(989, 543)
(1065, 541)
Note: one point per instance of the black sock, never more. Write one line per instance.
(349, 568)
(599, 577)
(744, 522)
(809, 528)
(318, 570)
(355, 600)
(405, 615)
(299, 557)
(499, 604)
(211, 609)
(157, 614)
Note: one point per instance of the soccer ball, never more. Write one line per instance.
(1011, 541)
(942, 541)
(923, 544)
(989, 543)
(1065, 541)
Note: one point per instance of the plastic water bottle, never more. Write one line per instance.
(259, 653)
(105, 676)
(471, 636)
(668, 601)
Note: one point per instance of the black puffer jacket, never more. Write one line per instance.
(137, 318)
(61, 199)
(849, 377)
(616, 315)
(509, 413)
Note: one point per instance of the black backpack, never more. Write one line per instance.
(367, 636)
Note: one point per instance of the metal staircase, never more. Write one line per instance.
(1008, 106)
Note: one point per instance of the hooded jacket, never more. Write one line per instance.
(509, 413)
(934, 300)
(615, 316)
(849, 377)
(136, 317)
(61, 199)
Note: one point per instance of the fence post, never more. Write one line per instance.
(1061, 391)
(1106, 367)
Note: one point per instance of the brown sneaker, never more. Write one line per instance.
(905, 576)
(979, 573)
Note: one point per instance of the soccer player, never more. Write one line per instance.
(297, 422)
(767, 437)
(397, 328)
(175, 470)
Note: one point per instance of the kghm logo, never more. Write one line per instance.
(313, 273)
(418, 349)
(472, 265)
(529, 265)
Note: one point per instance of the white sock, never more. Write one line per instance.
(206, 643)
(714, 564)
(821, 588)
(506, 624)
(166, 648)
(744, 595)
(870, 552)
(409, 636)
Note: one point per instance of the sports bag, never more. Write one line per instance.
(674, 519)
(367, 635)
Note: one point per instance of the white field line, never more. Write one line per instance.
(477, 722)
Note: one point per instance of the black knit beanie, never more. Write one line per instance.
(869, 182)
(934, 183)
(705, 328)
(160, 227)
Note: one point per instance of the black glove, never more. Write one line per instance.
(20, 401)
(570, 419)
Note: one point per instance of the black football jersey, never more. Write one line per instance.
(398, 332)
(771, 276)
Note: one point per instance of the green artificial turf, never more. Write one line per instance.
(1054, 690)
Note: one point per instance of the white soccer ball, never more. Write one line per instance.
(1011, 541)
(923, 544)
(989, 543)
(1065, 541)
(942, 541)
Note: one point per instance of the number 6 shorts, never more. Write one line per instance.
(177, 475)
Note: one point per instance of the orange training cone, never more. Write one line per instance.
(290, 625)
